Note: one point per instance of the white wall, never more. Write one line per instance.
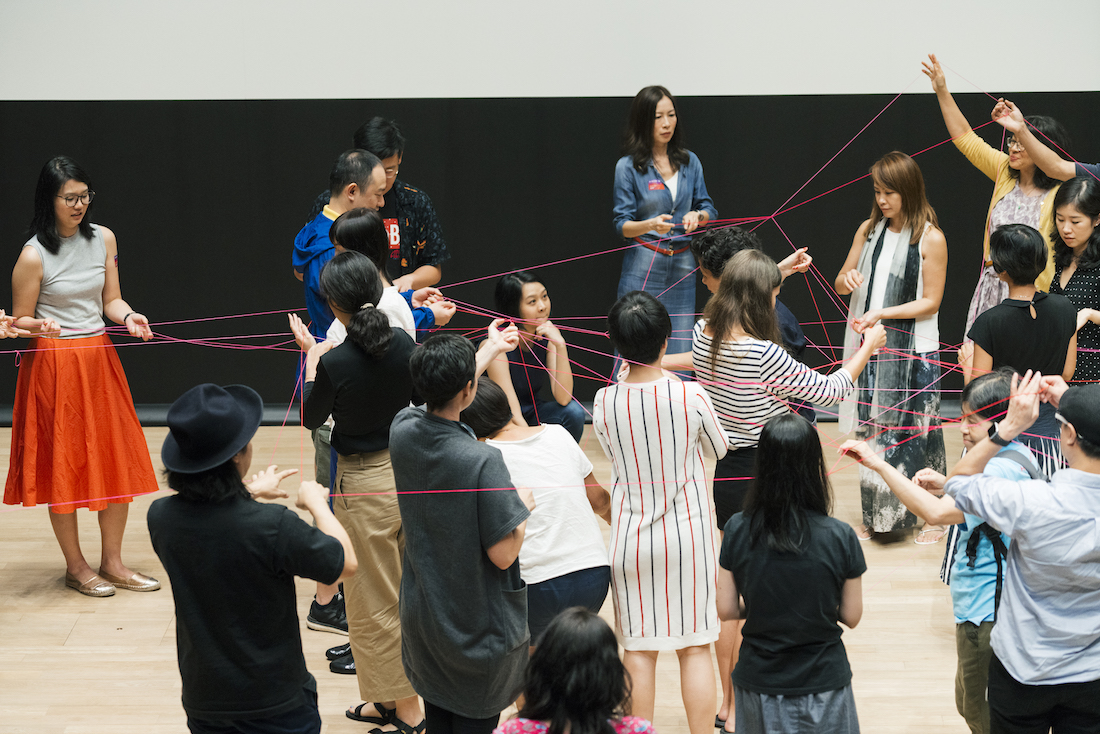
(280, 49)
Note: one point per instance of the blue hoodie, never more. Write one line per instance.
(312, 249)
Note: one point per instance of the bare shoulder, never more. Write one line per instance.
(29, 257)
(108, 238)
(935, 243)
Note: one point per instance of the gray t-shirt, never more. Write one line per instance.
(464, 631)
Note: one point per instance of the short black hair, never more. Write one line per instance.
(639, 326)
(441, 367)
(509, 292)
(220, 484)
(361, 230)
(354, 166)
(381, 137)
(1018, 251)
(489, 412)
(714, 247)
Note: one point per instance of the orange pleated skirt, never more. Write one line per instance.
(76, 440)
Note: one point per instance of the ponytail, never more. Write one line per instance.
(350, 282)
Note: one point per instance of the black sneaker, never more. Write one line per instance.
(328, 618)
(343, 666)
(338, 652)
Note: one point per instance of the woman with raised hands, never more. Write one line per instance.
(76, 440)
(542, 361)
(895, 273)
(363, 383)
(1022, 192)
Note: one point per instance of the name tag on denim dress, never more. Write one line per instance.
(656, 185)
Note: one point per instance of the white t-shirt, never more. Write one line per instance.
(926, 331)
(672, 183)
(396, 308)
(562, 533)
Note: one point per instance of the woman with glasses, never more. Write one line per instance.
(660, 198)
(76, 440)
(1022, 194)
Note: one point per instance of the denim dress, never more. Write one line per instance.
(640, 196)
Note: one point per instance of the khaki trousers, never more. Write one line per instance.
(366, 505)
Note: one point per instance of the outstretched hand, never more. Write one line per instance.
(302, 337)
(505, 340)
(138, 326)
(1023, 403)
(1008, 116)
(797, 262)
(861, 452)
(265, 484)
(934, 71)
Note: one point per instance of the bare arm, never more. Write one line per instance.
(679, 362)
(598, 497)
(26, 280)
(936, 511)
(851, 602)
(849, 277)
(311, 498)
(504, 552)
(499, 373)
(557, 363)
(422, 277)
(729, 601)
(114, 307)
(1049, 162)
(957, 126)
(933, 280)
(1071, 359)
(981, 364)
(1023, 409)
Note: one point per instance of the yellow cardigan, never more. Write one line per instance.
(994, 164)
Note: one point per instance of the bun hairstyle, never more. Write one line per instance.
(744, 299)
(350, 283)
(361, 230)
(55, 174)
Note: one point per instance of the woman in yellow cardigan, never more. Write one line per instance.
(1022, 193)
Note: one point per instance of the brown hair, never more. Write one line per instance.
(744, 300)
(898, 172)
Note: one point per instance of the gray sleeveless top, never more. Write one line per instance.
(72, 284)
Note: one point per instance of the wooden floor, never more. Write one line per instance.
(71, 664)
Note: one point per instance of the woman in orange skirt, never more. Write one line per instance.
(76, 440)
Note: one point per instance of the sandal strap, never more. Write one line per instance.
(403, 727)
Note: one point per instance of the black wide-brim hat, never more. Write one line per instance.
(209, 425)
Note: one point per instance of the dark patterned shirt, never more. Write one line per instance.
(420, 238)
(1083, 291)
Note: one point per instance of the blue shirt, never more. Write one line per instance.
(640, 196)
(1048, 627)
(973, 590)
(312, 249)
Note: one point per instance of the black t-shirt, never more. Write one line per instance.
(362, 393)
(1013, 339)
(232, 567)
(792, 641)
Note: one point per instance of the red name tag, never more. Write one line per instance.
(393, 232)
(656, 185)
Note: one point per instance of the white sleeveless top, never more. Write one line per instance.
(72, 284)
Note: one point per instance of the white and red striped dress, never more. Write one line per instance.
(664, 548)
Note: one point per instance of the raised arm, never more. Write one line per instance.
(957, 126)
(935, 511)
(1012, 119)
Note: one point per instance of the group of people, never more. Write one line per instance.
(459, 549)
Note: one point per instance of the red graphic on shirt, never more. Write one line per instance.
(393, 233)
(656, 185)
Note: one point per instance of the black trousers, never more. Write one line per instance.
(441, 721)
(1019, 708)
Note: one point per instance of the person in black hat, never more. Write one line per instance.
(232, 562)
(1045, 670)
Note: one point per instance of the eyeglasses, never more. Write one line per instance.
(1012, 142)
(85, 198)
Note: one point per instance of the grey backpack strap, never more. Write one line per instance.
(1017, 458)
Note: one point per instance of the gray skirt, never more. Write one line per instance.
(831, 711)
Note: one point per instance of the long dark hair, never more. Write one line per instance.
(791, 483)
(53, 176)
(489, 412)
(509, 292)
(220, 484)
(744, 299)
(898, 172)
(349, 282)
(1083, 194)
(575, 680)
(638, 138)
(361, 230)
(1055, 137)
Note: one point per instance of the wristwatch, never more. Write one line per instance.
(996, 438)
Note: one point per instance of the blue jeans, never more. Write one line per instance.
(545, 600)
(672, 280)
(570, 416)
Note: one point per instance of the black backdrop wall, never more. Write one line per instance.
(206, 197)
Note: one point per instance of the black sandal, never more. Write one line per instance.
(387, 715)
(402, 727)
